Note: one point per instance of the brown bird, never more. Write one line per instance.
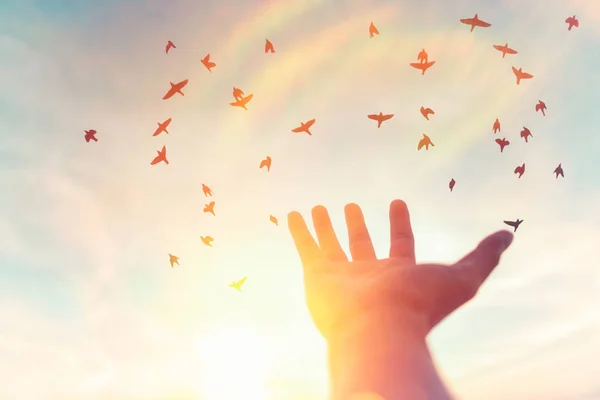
(573, 22)
(425, 141)
(422, 66)
(559, 171)
(451, 184)
(304, 127)
(505, 49)
(173, 260)
(514, 224)
(422, 56)
(503, 143)
(269, 47)
(380, 118)
(274, 220)
(162, 156)
(170, 46)
(175, 88)
(210, 208)
(90, 135)
(520, 170)
(206, 190)
(475, 21)
(242, 102)
(266, 163)
(162, 127)
(207, 240)
(526, 133)
(207, 63)
(426, 112)
(541, 106)
(373, 30)
(496, 127)
(521, 75)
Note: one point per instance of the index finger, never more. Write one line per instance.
(308, 250)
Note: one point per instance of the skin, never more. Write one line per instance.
(375, 314)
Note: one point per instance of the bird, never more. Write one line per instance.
(269, 47)
(520, 170)
(380, 118)
(426, 112)
(451, 184)
(173, 260)
(242, 102)
(526, 133)
(514, 224)
(304, 127)
(162, 156)
(422, 66)
(170, 46)
(207, 63)
(373, 30)
(496, 127)
(521, 75)
(90, 135)
(541, 106)
(238, 93)
(505, 49)
(210, 208)
(573, 22)
(425, 141)
(238, 285)
(559, 171)
(266, 163)
(207, 240)
(503, 143)
(162, 127)
(206, 190)
(273, 220)
(475, 21)
(175, 88)
(422, 56)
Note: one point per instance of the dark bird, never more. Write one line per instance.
(175, 88)
(541, 106)
(526, 133)
(503, 143)
(559, 171)
(170, 46)
(573, 22)
(475, 21)
(520, 170)
(514, 224)
(90, 135)
(451, 184)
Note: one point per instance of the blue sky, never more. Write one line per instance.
(89, 307)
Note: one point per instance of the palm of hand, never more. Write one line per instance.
(338, 289)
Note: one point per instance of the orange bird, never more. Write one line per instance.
(90, 135)
(426, 112)
(173, 259)
(541, 106)
(425, 141)
(380, 118)
(526, 133)
(207, 240)
(451, 184)
(269, 47)
(162, 127)
(559, 171)
(422, 56)
(521, 75)
(520, 170)
(573, 22)
(175, 88)
(207, 63)
(422, 66)
(170, 46)
(475, 21)
(304, 127)
(505, 49)
(273, 220)
(162, 156)
(238, 94)
(496, 127)
(242, 102)
(266, 163)
(373, 30)
(210, 208)
(503, 143)
(206, 190)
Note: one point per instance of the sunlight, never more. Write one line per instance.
(234, 365)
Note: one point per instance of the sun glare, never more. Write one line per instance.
(234, 365)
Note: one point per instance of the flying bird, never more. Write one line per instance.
(170, 46)
(520, 170)
(425, 141)
(451, 184)
(380, 118)
(304, 127)
(175, 88)
(162, 127)
(422, 56)
(559, 171)
(422, 66)
(475, 21)
(521, 75)
(269, 47)
(266, 163)
(242, 102)
(162, 156)
(238, 93)
(541, 106)
(274, 220)
(373, 30)
(206, 190)
(90, 135)
(426, 112)
(503, 143)
(514, 224)
(505, 49)
(173, 260)
(207, 63)
(238, 285)
(526, 133)
(210, 208)
(573, 22)
(496, 127)
(207, 240)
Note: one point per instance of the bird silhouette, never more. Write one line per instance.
(162, 156)
(422, 56)
(273, 220)
(426, 112)
(269, 47)
(90, 135)
(173, 260)
(559, 171)
(451, 184)
(422, 66)
(206, 190)
(541, 106)
(526, 133)
(207, 240)
(210, 208)
(266, 163)
(520, 170)
(521, 75)
(503, 143)
(496, 127)
(242, 102)
(304, 127)
(162, 127)
(425, 141)
(373, 30)
(505, 49)
(238, 93)
(207, 63)
(380, 118)
(170, 46)
(573, 22)
(175, 88)
(475, 21)
(238, 285)
(514, 224)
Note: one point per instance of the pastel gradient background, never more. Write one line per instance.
(89, 307)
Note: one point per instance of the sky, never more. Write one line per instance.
(89, 305)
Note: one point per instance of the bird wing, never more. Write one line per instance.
(386, 117)
(576, 22)
(466, 21)
(510, 223)
(170, 93)
(499, 141)
(298, 129)
(309, 123)
(421, 144)
(526, 75)
(241, 281)
(155, 161)
(373, 116)
(511, 51)
(499, 48)
(483, 24)
(515, 71)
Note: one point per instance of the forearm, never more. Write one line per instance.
(382, 357)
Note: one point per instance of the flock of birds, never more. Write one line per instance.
(423, 64)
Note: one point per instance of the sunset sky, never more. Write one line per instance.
(89, 305)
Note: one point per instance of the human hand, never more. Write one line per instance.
(338, 289)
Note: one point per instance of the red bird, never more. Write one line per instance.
(170, 46)
(521, 75)
(475, 21)
(496, 127)
(451, 184)
(426, 112)
(526, 133)
(304, 127)
(162, 156)
(175, 88)
(207, 63)
(559, 171)
(541, 106)
(573, 22)
(503, 143)
(380, 118)
(162, 127)
(505, 49)
(520, 170)
(269, 47)
(90, 135)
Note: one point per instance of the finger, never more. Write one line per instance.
(328, 240)
(305, 243)
(402, 240)
(361, 247)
